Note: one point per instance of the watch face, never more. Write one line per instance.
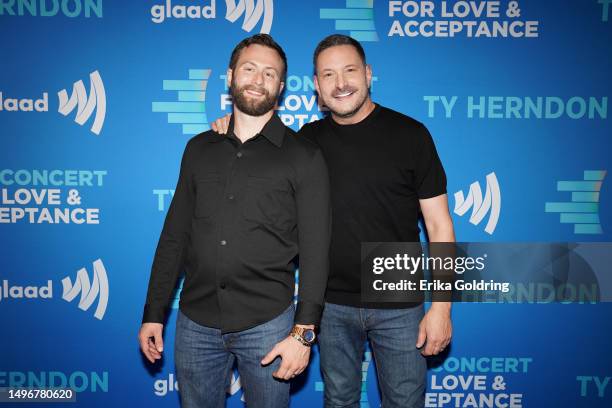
(309, 335)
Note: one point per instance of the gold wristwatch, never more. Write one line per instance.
(304, 335)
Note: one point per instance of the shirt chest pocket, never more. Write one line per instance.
(208, 189)
(269, 202)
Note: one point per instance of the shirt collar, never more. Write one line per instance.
(273, 130)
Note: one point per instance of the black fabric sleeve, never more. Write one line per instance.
(430, 178)
(314, 232)
(172, 245)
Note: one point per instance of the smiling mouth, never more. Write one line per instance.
(343, 95)
(254, 93)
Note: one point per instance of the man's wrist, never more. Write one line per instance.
(305, 334)
(442, 307)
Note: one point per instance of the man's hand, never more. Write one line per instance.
(221, 125)
(152, 349)
(435, 328)
(294, 355)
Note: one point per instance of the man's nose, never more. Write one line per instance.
(259, 78)
(340, 81)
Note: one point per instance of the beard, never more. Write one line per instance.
(349, 111)
(252, 106)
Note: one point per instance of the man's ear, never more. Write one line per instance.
(228, 77)
(369, 75)
(316, 83)
(282, 86)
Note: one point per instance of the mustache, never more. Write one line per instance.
(345, 90)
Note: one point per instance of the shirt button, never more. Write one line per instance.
(230, 197)
(239, 154)
(223, 242)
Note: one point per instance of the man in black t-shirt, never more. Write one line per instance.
(384, 170)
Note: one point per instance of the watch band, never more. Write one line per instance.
(300, 339)
(299, 333)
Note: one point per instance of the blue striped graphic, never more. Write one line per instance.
(187, 118)
(354, 25)
(178, 107)
(184, 85)
(190, 110)
(364, 35)
(194, 129)
(572, 207)
(199, 73)
(359, 3)
(578, 185)
(357, 14)
(579, 196)
(597, 175)
(583, 210)
(576, 218)
(357, 18)
(587, 229)
(191, 96)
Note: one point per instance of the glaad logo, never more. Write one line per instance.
(357, 18)
(8, 291)
(253, 11)
(190, 110)
(85, 104)
(162, 387)
(89, 291)
(583, 210)
(480, 207)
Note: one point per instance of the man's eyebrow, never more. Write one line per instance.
(344, 67)
(259, 65)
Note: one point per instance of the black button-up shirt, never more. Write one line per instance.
(239, 216)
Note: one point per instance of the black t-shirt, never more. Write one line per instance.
(379, 168)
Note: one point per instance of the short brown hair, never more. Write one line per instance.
(261, 39)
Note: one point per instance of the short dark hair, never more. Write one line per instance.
(261, 39)
(334, 40)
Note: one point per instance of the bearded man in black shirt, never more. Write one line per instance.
(384, 172)
(243, 208)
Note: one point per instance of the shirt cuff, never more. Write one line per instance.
(308, 313)
(154, 314)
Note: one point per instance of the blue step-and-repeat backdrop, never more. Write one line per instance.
(98, 99)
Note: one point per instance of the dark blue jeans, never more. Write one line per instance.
(204, 358)
(392, 334)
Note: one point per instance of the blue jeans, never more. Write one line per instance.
(204, 358)
(392, 334)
